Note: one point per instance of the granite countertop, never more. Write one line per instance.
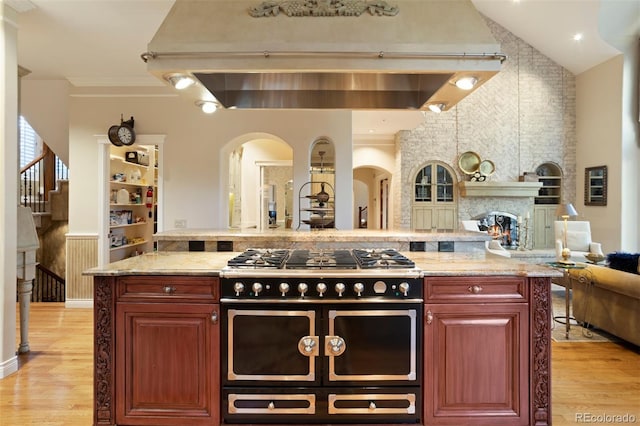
(185, 234)
(166, 263)
(478, 263)
(432, 264)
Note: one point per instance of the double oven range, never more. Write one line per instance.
(321, 337)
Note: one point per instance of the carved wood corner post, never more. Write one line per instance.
(103, 350)
(540, 351)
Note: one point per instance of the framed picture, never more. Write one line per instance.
(595, 186)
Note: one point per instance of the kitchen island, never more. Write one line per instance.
(159, 328)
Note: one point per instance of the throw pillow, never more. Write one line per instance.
(627, 262)
(578, 240)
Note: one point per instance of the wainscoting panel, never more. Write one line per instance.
(82, 254)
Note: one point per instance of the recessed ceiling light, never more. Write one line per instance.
(466, 83)
(180, 81)
(208, 107)
(578, 36)
(437, 107)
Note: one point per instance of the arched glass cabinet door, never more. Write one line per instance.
(434, 204)
(444, 185)
(423, 185)
(434, 179)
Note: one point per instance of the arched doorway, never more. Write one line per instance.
(260, 167)
(372, 200)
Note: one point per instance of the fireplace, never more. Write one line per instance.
(502, 226)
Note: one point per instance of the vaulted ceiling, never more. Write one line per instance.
(99, 42)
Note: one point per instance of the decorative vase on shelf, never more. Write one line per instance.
(322, 196)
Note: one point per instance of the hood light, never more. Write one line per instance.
(466, 83)
(437, 108)
(208, 107)
(181, 82)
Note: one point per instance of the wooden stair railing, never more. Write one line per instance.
(39, 177)
(47, 286)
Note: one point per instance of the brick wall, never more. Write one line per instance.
(521, 118)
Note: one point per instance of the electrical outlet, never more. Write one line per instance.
(180, 223)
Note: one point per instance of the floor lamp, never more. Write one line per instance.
(565, 211)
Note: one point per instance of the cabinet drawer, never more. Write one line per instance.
(475, 289)
(169, 288)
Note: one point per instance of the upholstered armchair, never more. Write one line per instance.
(578, 239)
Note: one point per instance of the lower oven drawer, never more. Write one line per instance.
(326, 405)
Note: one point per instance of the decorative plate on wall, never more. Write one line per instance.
(469, 162)
(486, 167)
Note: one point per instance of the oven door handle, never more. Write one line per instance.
(334, 345)
(309, 346)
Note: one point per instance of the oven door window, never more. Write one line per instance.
(372, 345)
(271, 345)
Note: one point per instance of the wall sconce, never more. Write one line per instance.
(180, 81)
(466, 83)
(208, 107)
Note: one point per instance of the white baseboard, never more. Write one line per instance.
(8, 367)
(79, 303)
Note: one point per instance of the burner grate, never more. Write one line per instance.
(333, 259)
(382, 259)
(259, 258)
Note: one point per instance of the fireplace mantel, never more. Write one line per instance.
(499, 189)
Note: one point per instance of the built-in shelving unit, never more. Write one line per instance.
(132, 200)
(546, 201)
(130, 197)
(551, 191)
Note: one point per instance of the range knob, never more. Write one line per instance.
(321, 288)
(238, 287)
(303, 288)
(340, 287)
(358, 288)
(257, 288)
(404, 288)
(284, 288)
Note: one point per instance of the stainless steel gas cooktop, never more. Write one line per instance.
(326, 263)
(321, 259)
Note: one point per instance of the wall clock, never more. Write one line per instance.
(122, 134)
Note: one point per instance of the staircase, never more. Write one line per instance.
(44, 187)
(54, 209)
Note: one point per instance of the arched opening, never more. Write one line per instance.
(317, 196)
(260, 169)
(371, 196)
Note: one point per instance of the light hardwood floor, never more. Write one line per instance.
(54, 385)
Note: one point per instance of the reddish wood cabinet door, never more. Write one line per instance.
(476, 364)
(167, 365)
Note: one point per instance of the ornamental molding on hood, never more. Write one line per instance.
(298, 8)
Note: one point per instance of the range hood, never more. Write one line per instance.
(337, 54)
